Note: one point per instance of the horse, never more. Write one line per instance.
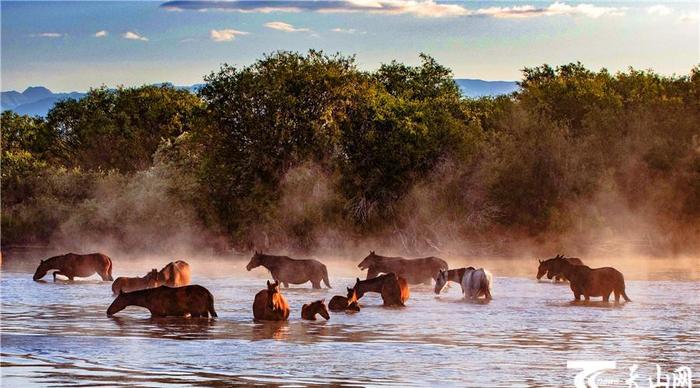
(125, 284)
(451, 275)
(345, 303)
(309, 311)
(474, 282)
(286, 270)
(270, 305)
(72, 265)
(588, 281)
(393, 288)
(195, 301)
(175, 274)
(544, 266)
(415, 271)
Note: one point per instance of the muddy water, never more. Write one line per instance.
(58, 334)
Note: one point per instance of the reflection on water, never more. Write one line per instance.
(59, 334)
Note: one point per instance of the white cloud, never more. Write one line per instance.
(101, 34)
(659, 10)
(48, 35)
(556, 8)
(225, 35)
(344, 30)
(134, 36)
(418, 8)
(286, 27)
(691, 17)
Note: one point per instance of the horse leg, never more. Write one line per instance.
(316, 284)
(105, 276)
(62, 274)
(195, 315)
(286, 285)
(617, 296)
(606, 298)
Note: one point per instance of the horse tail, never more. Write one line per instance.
(624, 295)
(488, 287)
(210, 307)
(325, 276)
(109, 269)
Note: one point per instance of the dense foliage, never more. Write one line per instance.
(300, 151)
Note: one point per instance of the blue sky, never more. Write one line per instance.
(70, 46)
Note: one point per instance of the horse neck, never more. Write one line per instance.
(374, 285)
(276, 301)
(268, 261)
(456, 275)
(136, 298)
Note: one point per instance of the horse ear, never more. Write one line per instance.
(42, 262)
(268, 283)
(540, 260)
(357, 280)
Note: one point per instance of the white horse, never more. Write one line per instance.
(474, 282)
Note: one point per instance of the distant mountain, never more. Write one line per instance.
(475, 88)
(38, 100)
(33, 101)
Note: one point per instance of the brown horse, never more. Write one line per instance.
(544, 266)
(164, 301)
(124, 284)
(590, 282)
(175, 274)
(270, 305)
(286, 270)
(394, 289)
(345, 303)
(309, 311)
(415, 271)
(72, 265)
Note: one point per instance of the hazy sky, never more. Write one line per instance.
(68, 46)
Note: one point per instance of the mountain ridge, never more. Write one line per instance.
(38, 100)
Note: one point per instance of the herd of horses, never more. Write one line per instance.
(168, 293)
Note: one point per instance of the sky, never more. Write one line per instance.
(72, 46)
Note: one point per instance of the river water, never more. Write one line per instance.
(57, 334)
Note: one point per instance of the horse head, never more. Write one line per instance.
(254, 261)
(119, 304)
(321, 309)
(41, 270)
(368, 261)
(153, 278)
(542, 268)
(440, 281)
(273, 289)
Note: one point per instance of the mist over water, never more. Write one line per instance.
(58, 333)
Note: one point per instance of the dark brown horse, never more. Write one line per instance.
(72, 266)
(287, 270)
(164, 301)
(590, 282)
(415, 271)
(175, 274)
(394, 289)
(270, 305)
(345, 303)
(125, 284)
(309, 311)
(543, 268)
